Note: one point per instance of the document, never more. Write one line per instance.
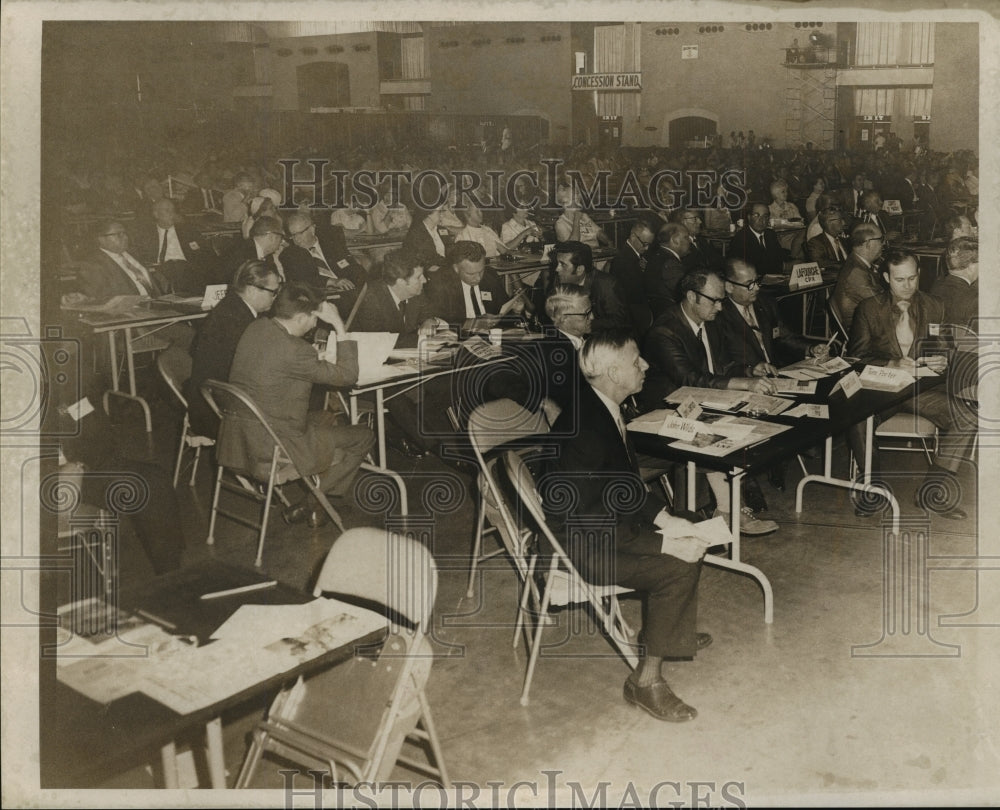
(812, 411)
(794, 386)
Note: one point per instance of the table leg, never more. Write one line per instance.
(168, 758)
(216, 760)
(115, 390)
(692, 502)
(380, 426)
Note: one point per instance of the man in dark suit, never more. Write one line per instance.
(278, 369)
(173, 246)
(858, 278)
(251, 293)
(265, 241)
(851, 197)
(959, 290)
(627, 269)
(893, 329)
(757, 243)
(829, 248)
(702, 252)
(573, 263)
(319, 256)
(871, 212)
(665, 267)
(423, 242)
(611, 541)
(685, 348)
(467, 288)
(395, 303)
(111, 270)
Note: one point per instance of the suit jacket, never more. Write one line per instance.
(278, 370)
(745, 347)
(662, 276)
(848, 203)
(542, 368)
(300, 265)
(446, 300)
(592, 458)
(879, 222)
(243, 251)
(606, 299)
(855, 283)
(146, 238)
(873, 333)
(100, 277)
(676, 358)
(767, 259)
(378, 312)
(212, 353)
(819, 249)
(960, 299)
(704, 254)
(419, 244)
(627, 269)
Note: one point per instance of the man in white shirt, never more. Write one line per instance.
(111, 270)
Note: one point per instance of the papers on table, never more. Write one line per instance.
(731, 401)
(811, 369)
(810, 410)
(373, 351)
(711, 434)
(795, 386)
(119, 303)
(924, 371)
(256, 643)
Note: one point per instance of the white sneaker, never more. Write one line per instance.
(750, 525)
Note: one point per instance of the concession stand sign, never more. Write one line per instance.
(607, 81)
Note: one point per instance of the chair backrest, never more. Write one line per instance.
(835, 314)
(174, 366)
(502, 421)
(357, 303)
(384, 567)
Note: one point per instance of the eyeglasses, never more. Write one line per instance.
(116, 233)
(713, 300)
(757, 215)
(307, 228)
(876, 239)
(588, 314)
(750, 285)
(272, 290)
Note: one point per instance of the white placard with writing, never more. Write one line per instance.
(688, 408)
(892, 207)
(213, 294)
(850, 383)
(883, 378)
(677, 427)
(805, 274)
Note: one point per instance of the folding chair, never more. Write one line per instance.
(563, 583)
(175, 367)
(353, 719)
(492, 424)
(237, 410)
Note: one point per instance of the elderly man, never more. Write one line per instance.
(959, 290)
(173, 246)
(685, 348)
(278, 369)
(596, 456)
(757, 243)
(828, 248)
(267, 237)
(628, 269)
(469, 289)
(858, 279)
(893, 328)
(665, 267)
(319, 257)
(234, 201)
(871, 212)
(573, 264)
(111, 270)
(702, 252)
(251, 293)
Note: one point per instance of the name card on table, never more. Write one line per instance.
(677, 427)
(892, 207)
(688, 408)
(883, 378)
(805, 274)
(850, 384)
(213, 294)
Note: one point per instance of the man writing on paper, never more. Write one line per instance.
(469, 289)
(612, 539)
(278, 369)
(891, 329)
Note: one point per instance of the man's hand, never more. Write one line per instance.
(340, 284)
(430, 326)
(936, 363)
(328, 313)
(820, 351)
(907, 364)
(761, 385)
(764, 370)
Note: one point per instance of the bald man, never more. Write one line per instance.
(627, 269)
(318, 255)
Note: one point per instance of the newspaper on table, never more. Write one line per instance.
(710, 434)
(812, 369)
(731, 401)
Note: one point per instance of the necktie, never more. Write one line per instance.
(138, 272)
(321, 264)
(477, 309)
(703, 340)
(163, 248)
(752, 323)
(402, 311)
(760, 238)
(904, 329)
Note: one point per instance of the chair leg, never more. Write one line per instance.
(194, 466)
(210, 540)
(476, 547)
(267, 509)
(526, 592)
(252, 760)
(180, 453)
(536, 642)
(432, 739)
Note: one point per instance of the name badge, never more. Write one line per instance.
(775, 333)
(850, 383)
(343, 263)
(486, 296)
(934, 329)
(193, 246)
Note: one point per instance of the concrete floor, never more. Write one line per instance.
(838, 701)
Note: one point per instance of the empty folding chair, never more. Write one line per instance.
(175, 367)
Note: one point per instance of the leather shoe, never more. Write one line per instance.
(299, 513)
(659, 700)
(703, 640)
(776, 476)
(407, 447)
(317, 518)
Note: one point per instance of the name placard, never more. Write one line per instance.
(688, 408)
(892, 207)
(806, 274)
(213, 294)
(850, 384)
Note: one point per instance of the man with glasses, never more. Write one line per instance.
(573, 263)
(627, 269)
(685, 347)
(702, 253)
(829, 247)
(111, 270)
(858, 278)
(266, 240)
(251, 293)
(319, 257)
(756, 243)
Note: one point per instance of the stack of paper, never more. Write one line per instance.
(689, 541)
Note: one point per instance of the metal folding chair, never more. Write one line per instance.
(175, 367)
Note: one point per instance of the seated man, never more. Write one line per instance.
(168, 242)
(702, 252)
(829, 247)
(251, 293)
(320, 257)
(858, 279)
(959, 290)
(573, 263)
(267, 237)
(395, 302)
(234, 201)
(468, 288)
(665, 267)
(892, 329)
(595, 456)
(278, 369)
(627, 269)
(871, 212)
(111, 270)
(685, 348)
(757, 243)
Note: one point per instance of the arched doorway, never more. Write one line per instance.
(691, 127)
(323, 84)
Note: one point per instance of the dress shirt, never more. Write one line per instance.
(904, 328)
(616, 413)
(436, 237)
(173, 250)
(473, 300)
(323, 266)
(838, 248)
(702, 335)
(751, 319)
(760, 237)
(575, 340)
(138, 274)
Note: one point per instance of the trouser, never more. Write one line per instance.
(352, 443)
